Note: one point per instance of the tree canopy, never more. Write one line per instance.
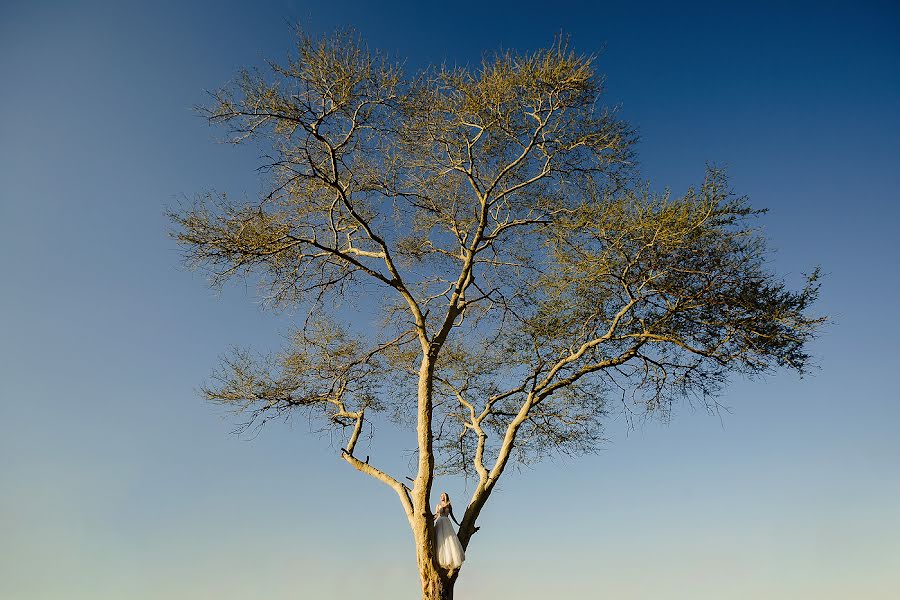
(522, 281)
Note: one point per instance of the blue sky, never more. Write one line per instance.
(118, 482)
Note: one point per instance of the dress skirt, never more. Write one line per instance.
(449, 551)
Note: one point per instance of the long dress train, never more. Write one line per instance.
(449, 551)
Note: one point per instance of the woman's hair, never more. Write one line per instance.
(445, 497)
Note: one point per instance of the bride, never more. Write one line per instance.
(450, 552)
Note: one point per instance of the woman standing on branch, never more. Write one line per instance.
(450, 552)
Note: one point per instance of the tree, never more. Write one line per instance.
(527, 282)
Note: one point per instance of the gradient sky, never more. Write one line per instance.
(117, 482)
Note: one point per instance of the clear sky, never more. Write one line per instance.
(117, 481)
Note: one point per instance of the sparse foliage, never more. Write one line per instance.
(527, 284)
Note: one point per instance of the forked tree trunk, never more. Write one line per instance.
(437, 583)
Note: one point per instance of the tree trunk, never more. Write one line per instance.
(436, 585)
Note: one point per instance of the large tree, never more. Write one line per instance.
(522, 282)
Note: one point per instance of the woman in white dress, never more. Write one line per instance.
(449, 551)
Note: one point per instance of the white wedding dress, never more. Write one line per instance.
(450, 552)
